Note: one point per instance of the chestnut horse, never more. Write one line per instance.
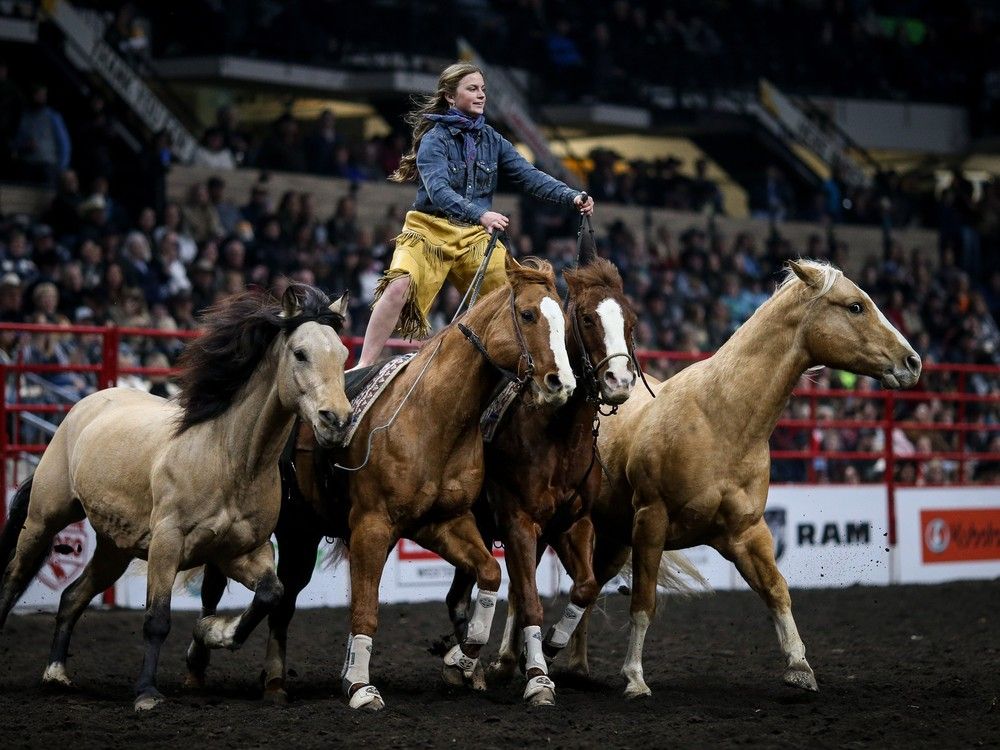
(546, 499)
(419, 476)
(187, 482)
(693, 466)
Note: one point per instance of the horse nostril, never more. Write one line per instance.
(552, 381)
(913, 362)
(330, 419)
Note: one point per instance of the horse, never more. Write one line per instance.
(692, 466)
(412, 470)
(185, 482)
(542, 476)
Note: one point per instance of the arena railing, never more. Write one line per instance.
(884, 460)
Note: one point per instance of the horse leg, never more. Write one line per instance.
(372, 538)
(608, 561)
(649, 530)
(458, 541)
(164, 559)
(753, 555)
(51, 508)
(575, 549)
(459, 600)
(502, 668)
(213, 584)
(296, 562)
(254, 570)
(521, 546)
(105, 567)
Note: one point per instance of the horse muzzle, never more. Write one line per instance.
(331, 428)
(616, 389)
(554, 391)
(902, 376)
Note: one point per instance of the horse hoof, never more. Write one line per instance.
(540, 691)
(453, 676)
(478, 681)
(55, 676)
(633, 692)
(801, 677)
(367, 699)
(276, 697)
(148, 701)
(194, 681)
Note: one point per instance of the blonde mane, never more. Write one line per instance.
(830, 275)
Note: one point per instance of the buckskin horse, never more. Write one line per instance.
(413, 469)
(543, 474)
(187, 482)
(692, 466)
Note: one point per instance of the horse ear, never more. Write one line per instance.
(290, 303)
(509, 265)
(572, 282)
(809, 275)
(340, 306)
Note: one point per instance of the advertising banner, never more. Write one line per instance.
(944, 534)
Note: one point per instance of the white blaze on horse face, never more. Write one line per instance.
(557, 340)
(885, 321)
(610, 313)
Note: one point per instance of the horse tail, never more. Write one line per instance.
(17, 514)
(338, 552)
(676, 574)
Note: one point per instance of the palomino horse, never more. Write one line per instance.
(418, 477)
(188, 482)
(692, 466)
(543, 475)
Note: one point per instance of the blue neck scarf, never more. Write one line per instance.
(467, 125)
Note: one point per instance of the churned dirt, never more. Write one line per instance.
(907, 666)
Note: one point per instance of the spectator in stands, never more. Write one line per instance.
(321, 144)
(11, 299)
(42, 141)
(141, 272)
(228, 213)
(772, 199)
(234, 138)
(213, 151)
(282, 149)
(704, 192)
(17, 256)
(154, 163)
(200, 217)
(258, 207)
(452, 205)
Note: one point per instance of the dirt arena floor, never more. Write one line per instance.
(909, 666)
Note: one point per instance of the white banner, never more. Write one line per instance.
(947, 533)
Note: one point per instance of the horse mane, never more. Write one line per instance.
(598, 272)
(830, 275)
(532, 270)
(238, 332)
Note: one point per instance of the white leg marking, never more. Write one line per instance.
(55, 673)
(798, 673)
(632, 668)
(557, 340)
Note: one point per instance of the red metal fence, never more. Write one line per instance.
(894, 409)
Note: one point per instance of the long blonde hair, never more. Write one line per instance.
(437, 103)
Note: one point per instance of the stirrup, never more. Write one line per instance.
(538, 684)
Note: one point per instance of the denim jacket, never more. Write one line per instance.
(446, 188)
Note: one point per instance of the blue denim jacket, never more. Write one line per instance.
(446, 188)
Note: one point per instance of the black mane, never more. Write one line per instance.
(237, 334)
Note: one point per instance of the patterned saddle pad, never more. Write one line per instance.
(364, 386)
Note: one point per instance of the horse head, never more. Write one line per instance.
(311, 362)
(843, 328)
(525, 330)
(602, 323)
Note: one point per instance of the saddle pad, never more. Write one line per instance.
(494, 413)
(374, 380)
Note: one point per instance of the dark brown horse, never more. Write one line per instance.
(420, 476)
(546, 500)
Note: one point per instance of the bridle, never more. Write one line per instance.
(514, 376)
(591, 372)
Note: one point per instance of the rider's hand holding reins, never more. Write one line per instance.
(493, 221)
(585, 203)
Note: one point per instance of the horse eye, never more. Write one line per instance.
(300, 355)
(855, 308)
(588, 321)
(528, 316)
